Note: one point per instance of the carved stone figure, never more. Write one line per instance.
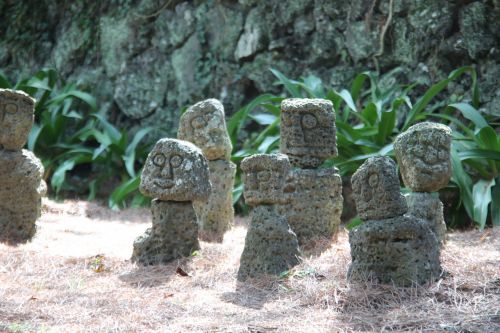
(314, 204)
(376, 190)
(308, 131)
(423, 154)
(315, 195)
(389, 246)
(21, 173)
(175, 173)
(271, 247)
(204, 125)
(16, 118)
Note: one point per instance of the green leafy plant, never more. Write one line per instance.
(70, 135)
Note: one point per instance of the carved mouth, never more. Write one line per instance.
(164, 184)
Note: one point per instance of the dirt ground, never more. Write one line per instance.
(75, 276)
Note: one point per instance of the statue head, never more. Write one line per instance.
(204, 125)
(423, 154)
(264, 178)
(376, 190)
(175, 170)
(308, 131)
(16, 118)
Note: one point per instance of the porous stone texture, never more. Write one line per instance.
(314, 203)
(204, 125)
(216, 214)
(174, 234)
(146, 60)
(307, 131)
(400, 250)
(376, 190)
(16, 118)
(175, 170)
(428, 207)
(271, 247)
(21, 189)
(423, 154)
(264, 177)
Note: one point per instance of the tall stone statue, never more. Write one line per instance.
(204, 125)
(21, 172)
(389, 246)
(271, 247)
(423, 154)
(308, 139)
(175, 174)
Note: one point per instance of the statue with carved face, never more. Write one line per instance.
(175, 174)
(204, 125)
(21, 172)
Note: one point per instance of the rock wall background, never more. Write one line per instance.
(147, 59)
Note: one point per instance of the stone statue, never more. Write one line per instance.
(21, 173)
(389, 246)
(175, 173)
(204, 125)
(315, 195)
(271, 247)
(423, 154)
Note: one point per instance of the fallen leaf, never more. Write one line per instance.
(168, 295)
(181, 272)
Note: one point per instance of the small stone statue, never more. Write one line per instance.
(315, 195)
(175, 173)
(423, 154)
(21, 173)
(271, 247)
(204, 125)
(389, 246)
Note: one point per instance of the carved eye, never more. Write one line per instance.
(11, 108)
(175, 161)
(309, 121)
(198, 122)
(443, 154)
(159, 160)
(263, 176)
(373, 180)
(213, 117)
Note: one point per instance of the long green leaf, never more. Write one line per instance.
(469, 112)
(289, 85)
(495, 203)
(119, 195)
(463, 181)
(481, 192)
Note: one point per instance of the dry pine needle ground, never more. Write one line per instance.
(76, 277)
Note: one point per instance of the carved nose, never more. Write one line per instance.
(166, 172)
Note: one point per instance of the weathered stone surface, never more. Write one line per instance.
(174, 234)
(307, 131)
(175, 170)
(428, 207)
(204, 125)
(400, 250)
(21, 189)
(271, 247)
(264, 177)
(315, 203)
(216, 214)
(423, 154)
(16, 118)
(376, 190)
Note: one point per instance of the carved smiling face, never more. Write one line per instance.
(175, 170)
(423, 153)
(264, 178)
(16, 118)
(308, 131)
(204, 125)
(376, 190)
